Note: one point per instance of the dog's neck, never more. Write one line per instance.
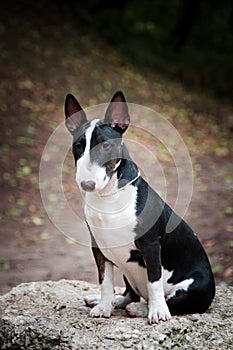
(112, 199)
(112, 189)
(125, 174)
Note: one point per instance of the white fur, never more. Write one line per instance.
(111, 215)
(112, 218)
(120, 300)
(92, 300)
(158, 309)
(137, 309)
(107, 302)
(171, 289)
(85, 171)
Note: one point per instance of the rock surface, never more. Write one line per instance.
(52, 315)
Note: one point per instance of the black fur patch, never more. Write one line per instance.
(136, 256)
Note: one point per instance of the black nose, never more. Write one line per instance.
(88, 185)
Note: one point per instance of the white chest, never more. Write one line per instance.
(112, 219)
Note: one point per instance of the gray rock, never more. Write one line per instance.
(52, 315)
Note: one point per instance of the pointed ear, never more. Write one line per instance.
(117, 113)
(75, 116)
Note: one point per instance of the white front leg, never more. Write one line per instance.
(107, 302)
(158, 309)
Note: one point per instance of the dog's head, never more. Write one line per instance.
(97, 144)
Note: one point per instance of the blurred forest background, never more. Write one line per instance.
(175, 57)
(187, 40)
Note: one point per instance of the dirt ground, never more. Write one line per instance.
(38, 251)
(43, 58)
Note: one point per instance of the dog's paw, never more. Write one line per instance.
(121, 301)
(137, 309)
(158, 313)
(102, 310)
(92, 300)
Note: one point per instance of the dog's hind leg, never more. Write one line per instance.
(127, 297)
(137, 309)
(195, 300)
(92, 300)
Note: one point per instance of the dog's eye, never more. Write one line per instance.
(78, 148)
(78, 145)
(106, 146)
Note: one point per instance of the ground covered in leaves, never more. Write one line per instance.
(44, 56)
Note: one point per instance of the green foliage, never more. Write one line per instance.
(188, 40)
(4, 265)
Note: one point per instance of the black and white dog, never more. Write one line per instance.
(127, 221)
